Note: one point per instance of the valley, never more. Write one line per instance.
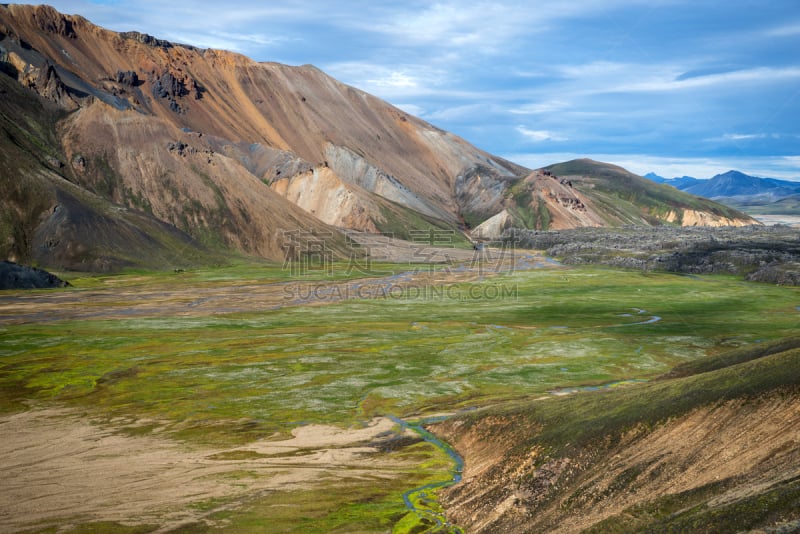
(279, 303)
(220, 401)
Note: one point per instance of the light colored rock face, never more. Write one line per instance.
(700, 218)
(324, 195)
(356, 170)
(493, 227)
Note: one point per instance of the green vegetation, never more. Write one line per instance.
(106, 527)
(230, 378)
(688, 512)
(785, 206)
(27, 143)
(398, 221)
(570, 423)
(347, 361)
(596, 430)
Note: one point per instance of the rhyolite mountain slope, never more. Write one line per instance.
(122, 149)
(629, 198)
(203, 140)
(584, 192)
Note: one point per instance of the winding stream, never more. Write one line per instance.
(422, 500)
(639, 311)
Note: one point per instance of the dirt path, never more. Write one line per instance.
(229, 297)
(58, 467)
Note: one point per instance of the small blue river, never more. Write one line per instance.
(422, 500)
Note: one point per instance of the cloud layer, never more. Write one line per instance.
(661, 80)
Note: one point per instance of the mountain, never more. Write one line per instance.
(709, 447)
(679, 183)
(653, 177)
(201, 150)
(584, 192)
(122, 149)
(734, 184)
(587, 193)
(741, 191)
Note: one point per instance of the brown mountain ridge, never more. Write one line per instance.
(121, 149)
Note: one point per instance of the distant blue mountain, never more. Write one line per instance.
(732, 184)
(653, 177)
(736, 184)
(678, 183)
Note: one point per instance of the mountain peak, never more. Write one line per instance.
(737, 184)
(737, 175)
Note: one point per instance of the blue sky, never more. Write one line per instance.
(678, 87)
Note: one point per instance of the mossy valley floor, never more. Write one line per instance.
(254, 400)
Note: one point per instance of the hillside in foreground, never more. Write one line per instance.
(709, 447)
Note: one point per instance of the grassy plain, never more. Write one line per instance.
(226, 379)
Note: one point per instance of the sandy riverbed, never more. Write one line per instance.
(59, 467)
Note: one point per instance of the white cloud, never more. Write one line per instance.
(614, 77)
(543, 108)
(394, 80)
(788, 30)
(400, 83)
(539, 136)
(743, 137)
(734, 137)
(454, 113)
(385, 82)
(766, 75)
(479, 25)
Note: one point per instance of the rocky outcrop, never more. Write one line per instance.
(173, 87)
(14, 276)
(494, 227)
(46, 81)
(43, 79)
(145, 39)
(777, 272)
(128, 77)
(760, 253)
(690, 217)
(51, 21)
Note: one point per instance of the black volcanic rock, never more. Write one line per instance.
(51, 21)
(146, 39)
(15, 276)
(127, 77)
(760, 253)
